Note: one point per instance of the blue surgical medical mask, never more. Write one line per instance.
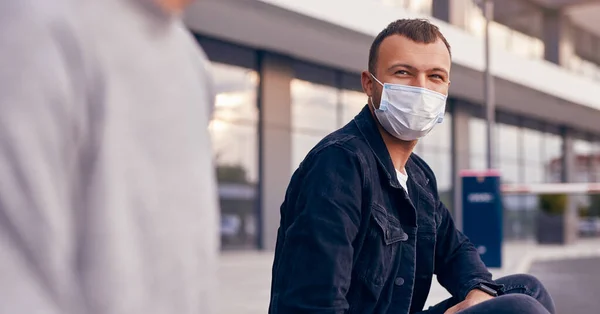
(407, 112)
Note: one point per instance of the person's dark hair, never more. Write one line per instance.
(417, 30)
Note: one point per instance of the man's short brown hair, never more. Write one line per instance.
(417, 30)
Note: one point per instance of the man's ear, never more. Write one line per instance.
(367, 83)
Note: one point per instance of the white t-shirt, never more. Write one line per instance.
(402, 178)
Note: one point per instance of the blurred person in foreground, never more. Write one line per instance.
(108, 202)
(363, 229)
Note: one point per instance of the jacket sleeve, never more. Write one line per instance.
(458, 265)
(317, 253)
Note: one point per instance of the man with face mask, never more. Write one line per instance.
(362, 227)
(108, 200)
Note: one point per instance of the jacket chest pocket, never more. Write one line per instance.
(380, 249)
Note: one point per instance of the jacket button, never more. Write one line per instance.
(399, 281)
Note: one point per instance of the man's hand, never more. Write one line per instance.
(474, 297)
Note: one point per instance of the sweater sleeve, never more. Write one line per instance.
(38, 114)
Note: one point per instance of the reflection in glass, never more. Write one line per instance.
(507, 152)
(314, 116)
(552, 157)
(313, 106)
(352, 103)
(513, 41)
(519, 210)
(477, 143)
(583, 151)
(595, 164)
(441, 135)
(436, 149)
(507, 144)
(234, 134)
(582, 146)
(532, 145)
(532, 155)
(478, 163)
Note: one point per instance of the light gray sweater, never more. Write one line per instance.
(108, 201)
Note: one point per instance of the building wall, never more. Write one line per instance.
(337, 33)
(272, 107)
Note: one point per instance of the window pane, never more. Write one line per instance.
(532, 155)
(478, 162)
(534, 172)
(313, 106)
(234, 134)
(314, 116)
(582, 147)
(595, 164)
(552, 157)
(443, 172)
(440, 136)
(477, 143)
(435, 149)
(507, 150)
(302, 143)
(507, 144)
(583, 150)
(532, 145)
(509, 170)
(352, 104)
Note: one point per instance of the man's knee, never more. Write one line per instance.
(525, 283)
(519, 303)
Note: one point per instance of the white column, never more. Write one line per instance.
(275, 142)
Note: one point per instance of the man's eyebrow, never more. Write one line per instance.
(402, 65)
(412, 68)
(441, 70)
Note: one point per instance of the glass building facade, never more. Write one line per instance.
(235, 148)
(514, 41)
(316, 100)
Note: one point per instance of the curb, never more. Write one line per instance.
(542, 254)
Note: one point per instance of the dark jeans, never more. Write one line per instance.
(523, 294)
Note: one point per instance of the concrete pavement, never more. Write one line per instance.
(245, 277)
(519, 256)
(573, 284)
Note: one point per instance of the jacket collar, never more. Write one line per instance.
(368, 127)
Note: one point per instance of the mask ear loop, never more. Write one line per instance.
(373, 76)
(371, 98)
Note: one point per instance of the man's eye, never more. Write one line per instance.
(402, 72)
(437, 77)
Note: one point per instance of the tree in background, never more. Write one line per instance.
(231, 174)
(553, 204)
(594, 208)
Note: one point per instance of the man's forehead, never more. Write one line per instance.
(399, 48)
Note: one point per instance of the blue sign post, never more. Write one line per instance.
(482, 213)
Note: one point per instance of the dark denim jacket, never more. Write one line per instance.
(352, 241)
